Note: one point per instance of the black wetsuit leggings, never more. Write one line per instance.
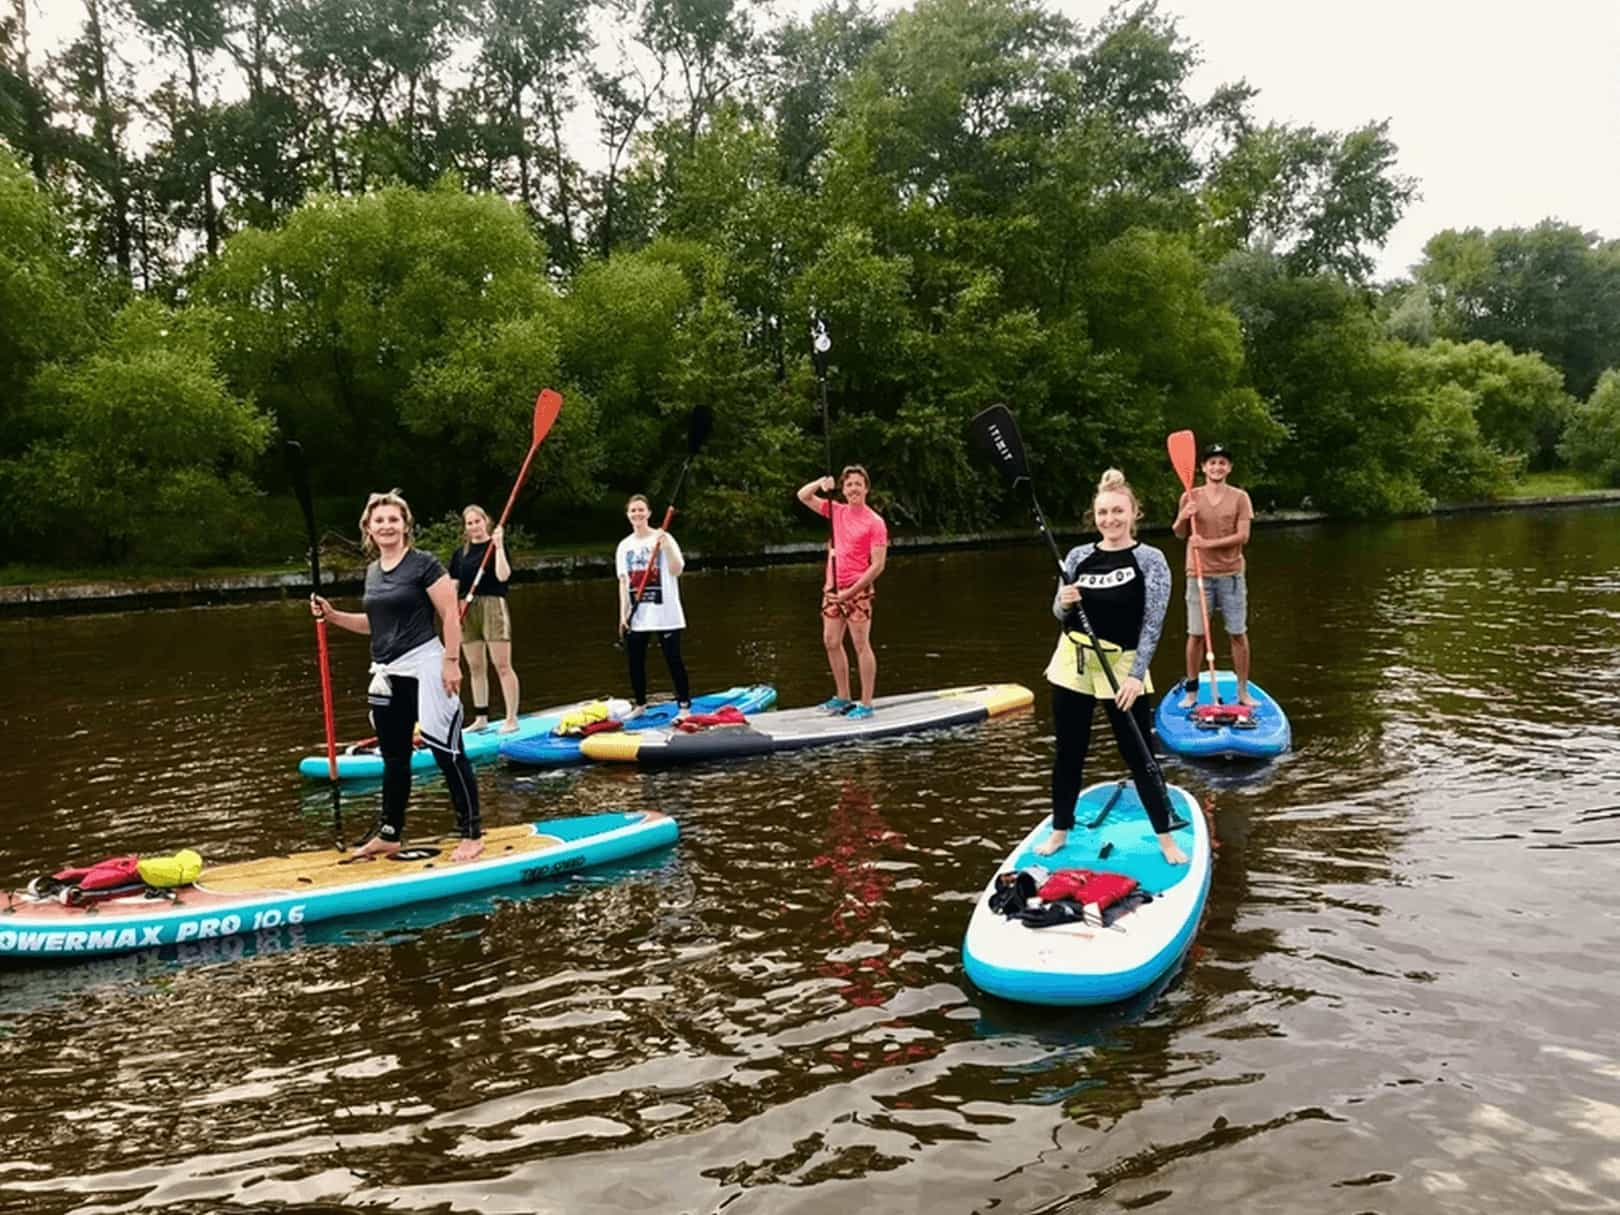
(395, 722)
(635, 645)
(1072, 713)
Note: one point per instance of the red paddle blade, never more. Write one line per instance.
(546, 408)
(1184, 455)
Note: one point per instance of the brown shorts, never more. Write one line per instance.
(857, 607)
(487, 620)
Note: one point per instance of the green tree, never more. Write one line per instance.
(1328, 199)
(1552, 289)
(328, 320)
(1520, 403)
(142, 450)
(1592, 441)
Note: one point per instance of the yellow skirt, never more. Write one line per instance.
(1078, 667)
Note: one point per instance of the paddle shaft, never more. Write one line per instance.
(820, 345)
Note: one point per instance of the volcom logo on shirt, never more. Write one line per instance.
(1108, 580)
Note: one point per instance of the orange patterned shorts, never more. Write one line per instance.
(856, 607)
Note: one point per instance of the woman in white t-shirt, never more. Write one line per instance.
(650, 602)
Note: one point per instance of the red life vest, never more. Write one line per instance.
(1087, 886)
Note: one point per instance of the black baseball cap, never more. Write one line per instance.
(1211, 450)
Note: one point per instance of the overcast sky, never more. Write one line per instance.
(1505, 113)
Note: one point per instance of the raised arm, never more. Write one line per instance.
(807, 494)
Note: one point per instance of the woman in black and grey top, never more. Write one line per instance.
(1126, 588)
(416, 680)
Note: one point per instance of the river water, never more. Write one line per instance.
(1402, 997)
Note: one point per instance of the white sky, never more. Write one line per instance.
(1505, 113)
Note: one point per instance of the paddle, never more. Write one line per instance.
(820, 349)
(546, 408)
(997, 433)
(300, 483)
(697, 431)
(1184, 455)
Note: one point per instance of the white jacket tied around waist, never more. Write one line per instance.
(438, 714)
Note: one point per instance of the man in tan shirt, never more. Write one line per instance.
(1222, 513)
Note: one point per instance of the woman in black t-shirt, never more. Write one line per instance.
(1125, 585)
(416, 680)
(488, 623)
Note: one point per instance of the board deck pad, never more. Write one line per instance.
(304, 870)
(794, 729)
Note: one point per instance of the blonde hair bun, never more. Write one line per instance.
(1112, 479)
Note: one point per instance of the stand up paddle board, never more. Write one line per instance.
(364, 762)
(251, 896)
(1090, 963)
(793, 729)
(556, 751)
(1267, 733)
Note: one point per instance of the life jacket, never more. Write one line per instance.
(573, 723)
(103, 875)
(167, 872)
(730, 715)
(1087, 886)
(1210, 717)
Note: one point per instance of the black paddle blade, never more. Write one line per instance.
(697, 429)
(299, 475)
(997, 433)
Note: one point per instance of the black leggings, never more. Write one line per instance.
(396, 723)
(635, 645)
(1072, 713)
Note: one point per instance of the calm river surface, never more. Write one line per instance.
(1403, 997)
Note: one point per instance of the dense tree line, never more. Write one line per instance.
(364, 224)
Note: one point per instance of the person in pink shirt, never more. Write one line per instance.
(860, 546)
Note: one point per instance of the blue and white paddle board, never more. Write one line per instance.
(1076, 964)
(1269, 736)
(556, 751)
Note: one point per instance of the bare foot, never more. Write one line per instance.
(1245, 699)
(479, 723)
(1052, 843)
(509, 726)
(467, 850)
(376, 847)
(1189, 700)
(1173, 855)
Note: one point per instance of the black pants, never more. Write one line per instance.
(1072, 712)
(396, 723)
(635, 645)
